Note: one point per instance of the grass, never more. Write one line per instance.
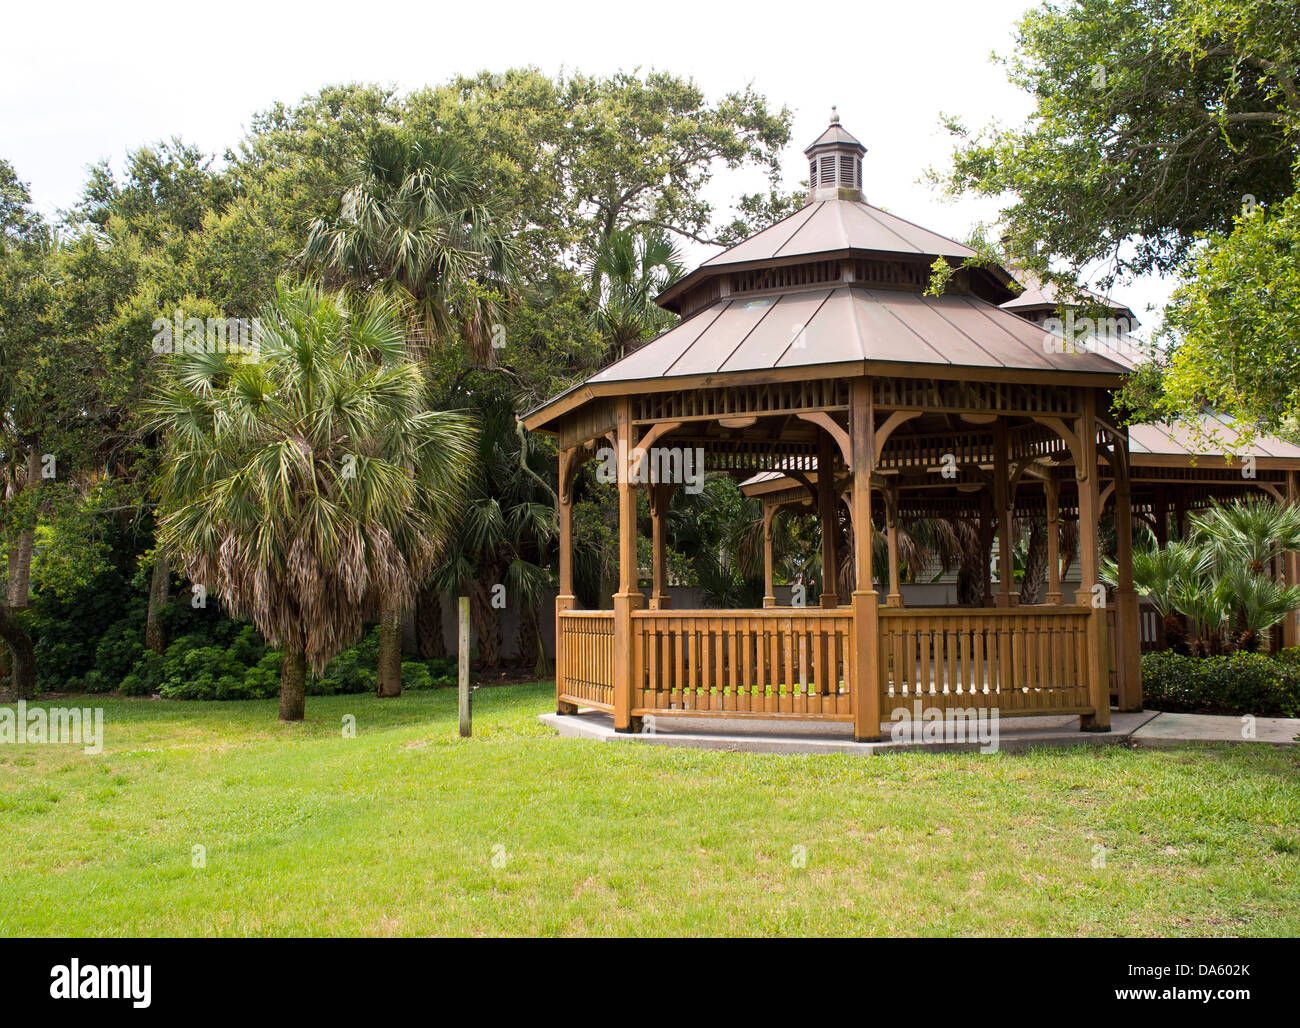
(395, 831)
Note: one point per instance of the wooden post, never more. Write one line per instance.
(827, 509)
(1291, 565)
(1128, 627)
(895, 595)
(660, 496)
(462, 642)
(1002, 502)
(1085, 472)
(628, 598)
(865, 686)
(986, 548)
(565, 600)
(1053, 500)
(769, 557)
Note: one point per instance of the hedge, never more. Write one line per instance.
(1238, 683)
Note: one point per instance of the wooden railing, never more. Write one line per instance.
(778, 662)
(1022, 660)
(584, 664)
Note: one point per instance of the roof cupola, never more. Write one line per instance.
(835, 164)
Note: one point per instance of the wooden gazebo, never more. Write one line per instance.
(811, 349)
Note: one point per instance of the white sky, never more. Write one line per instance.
(82, 81)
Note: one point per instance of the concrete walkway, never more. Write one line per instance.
(1015, 734)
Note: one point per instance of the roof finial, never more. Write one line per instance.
(835, 115)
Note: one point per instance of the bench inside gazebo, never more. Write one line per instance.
(812, 351)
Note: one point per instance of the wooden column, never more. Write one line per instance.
(1128, 628)
(565, 600)
(865, 685)
(769, 557)
(895, 596)
(1002, 503)
(628, 598)
(827, 510)
(1291, 565)
(1053, 504)
(1085, 472)
(660, 496)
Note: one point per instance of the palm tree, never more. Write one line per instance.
(629, 270)
(497, 553)
(302, 487)
(1261, 603)
(1165, 576)
(416, 224)
(1249, 534)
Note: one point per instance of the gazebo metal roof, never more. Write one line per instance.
(843, 326)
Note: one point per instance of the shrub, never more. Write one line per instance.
(415, 675)
(119, 650)
(443, 671)
(1238, 683)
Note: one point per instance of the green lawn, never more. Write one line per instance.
(394, 832)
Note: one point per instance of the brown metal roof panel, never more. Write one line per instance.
(926, 322)
(888, 337)
(835, 225)
(794, 326)
(764, 244)
(654, 358)
(721, 339)
(833, 336)
(1032, 342)
(913, 237)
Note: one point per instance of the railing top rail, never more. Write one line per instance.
(1036, 610)
(586, 613)
(765, 612)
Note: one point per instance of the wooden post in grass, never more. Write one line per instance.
(463, 682)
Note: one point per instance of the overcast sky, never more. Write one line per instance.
(82, 82)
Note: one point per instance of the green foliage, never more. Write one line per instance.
(1152, 123)
(1219, 579)
(1237, 683)
(1233, 326)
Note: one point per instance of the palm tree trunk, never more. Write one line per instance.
(488, 623)
(389, 681)
(155, 634)
(429, 637)
(23, 683)
(1031, 587)
(293, 686)
(529, 640)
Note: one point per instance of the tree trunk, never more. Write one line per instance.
(20, 570)
(389, 679)
(529, 647)
(23, 682)
(155, 633)
(488, 622)
(20, 556)
(1031, 586)
(1176, 632)
(293, 686)
(429, 637)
